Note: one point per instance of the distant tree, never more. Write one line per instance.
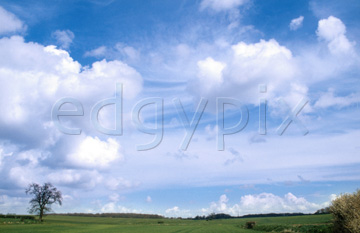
(323, 211)
(211, 216)
(43, 197)
(346, 212)
(218, 216)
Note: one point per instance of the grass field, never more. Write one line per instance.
(104, 224)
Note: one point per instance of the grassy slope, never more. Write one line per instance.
(105, 225)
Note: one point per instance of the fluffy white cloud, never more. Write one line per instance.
(64, 38)
(175, 209)
(331, 28)
(93, 152)
(237, 70)
(109, 73)
(51, 74)
(34, 77)
(33, 66)
(329, 99)
(296, 23)
(247, 66)
(264, 203)
(177, 212)
(221, 5)
(263, 49)
(9, 22)
(210, 72)
(221, 205)
(112, 207)
(333, 31)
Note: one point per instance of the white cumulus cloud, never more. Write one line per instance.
(93, 152)
(112, 207)
(247, 66)
(333, 31)
(33, 77)
(210, 71)
(221, 205)
(175, 209)
(264, 203)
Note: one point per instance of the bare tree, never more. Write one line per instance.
(43, 197)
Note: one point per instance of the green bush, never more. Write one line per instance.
(250, 225)
(270, 228)
(346, 212)
(315, 228)
(14, 216)
(301, 228)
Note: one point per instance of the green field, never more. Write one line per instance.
(106, 224)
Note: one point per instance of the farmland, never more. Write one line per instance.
(308, 223)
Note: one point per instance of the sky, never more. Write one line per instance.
(179, 107)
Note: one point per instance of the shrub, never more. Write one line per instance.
(249, 225)
(346, 212)
(290, 228)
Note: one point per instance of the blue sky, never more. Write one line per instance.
(190, 51)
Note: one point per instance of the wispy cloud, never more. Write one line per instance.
(296, 23)
(218, 5)
(10, 23)
(64, 38)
